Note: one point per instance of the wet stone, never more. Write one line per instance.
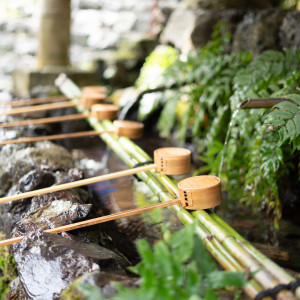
(60, 209)
(48, 263)
(16, 160)
(12, 212)
(15, 291)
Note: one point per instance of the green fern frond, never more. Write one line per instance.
(285, 118)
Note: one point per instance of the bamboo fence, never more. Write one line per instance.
(228, 248)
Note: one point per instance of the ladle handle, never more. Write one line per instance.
(78, 183)
(99, 220)
(33, 101)
(42, 107)
(55, 137)
(45, 120)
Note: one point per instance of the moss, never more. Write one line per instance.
(8, 269)
(71, 293)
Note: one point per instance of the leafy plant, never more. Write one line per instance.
(178, 267)
(285, 119)
(211, 85)
(8, 270)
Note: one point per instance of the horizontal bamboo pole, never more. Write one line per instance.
(42, 107)
(74, 184)
(99, 220)
(55, 137)
(33, 101)
(261, 102)
(281, 275)
(45, 120)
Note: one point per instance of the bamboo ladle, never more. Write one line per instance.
(130, 129)
(33, 101)
(98, 111)
(169, 161)
(87, 100)
(200, 192)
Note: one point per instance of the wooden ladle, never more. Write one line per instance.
(200, 192)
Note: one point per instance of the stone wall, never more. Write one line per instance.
(115, 36)
(98, 26)
(252, 29)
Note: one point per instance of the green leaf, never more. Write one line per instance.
(221, 279)
(295, 98)
(182, 243)
(281, 114)
(290, 125)
(167, 117)
(210, 294)
(288, 106)
(145, 251)
(296, 120)
(204, 262)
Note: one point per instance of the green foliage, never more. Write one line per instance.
(156, 63)
(151, 76)
(285, 119)
(211, 86)
(178, 267)
(8, 270)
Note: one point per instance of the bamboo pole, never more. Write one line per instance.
(45, 120)
(70, 185)
(99, 220)
(261, 102)
(281, 275)
(33, 101)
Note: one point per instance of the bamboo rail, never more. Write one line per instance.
(223, 242)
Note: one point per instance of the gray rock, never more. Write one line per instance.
(290, 31)
(48, 263)
(16, 161)
(206, 21)
(89, 4)
(190, 29)
(212, 4)
(179, 28)
(258, 31)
